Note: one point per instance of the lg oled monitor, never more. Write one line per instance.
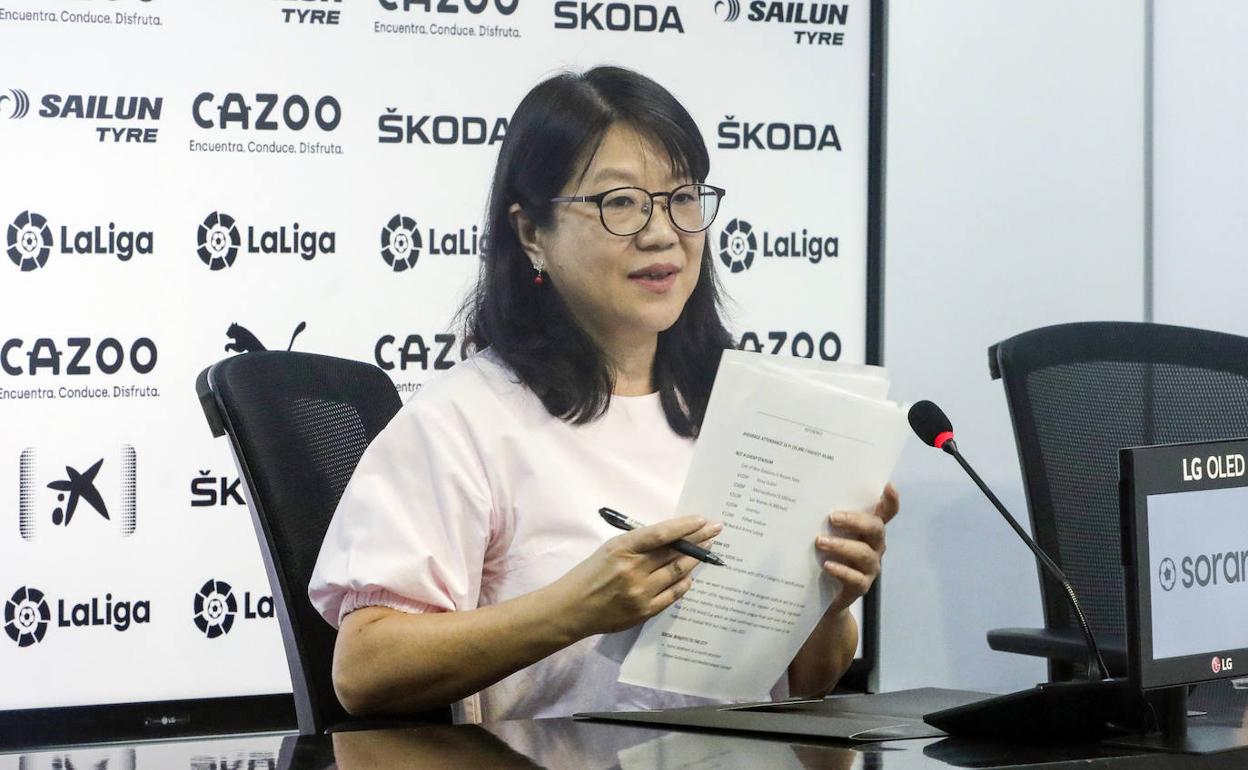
(1185, 559)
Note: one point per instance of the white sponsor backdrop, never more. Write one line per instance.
(218, 92)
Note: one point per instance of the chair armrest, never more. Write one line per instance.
(1065, 645)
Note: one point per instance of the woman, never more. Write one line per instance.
(466, 555)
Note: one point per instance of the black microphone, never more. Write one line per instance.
(933, 427)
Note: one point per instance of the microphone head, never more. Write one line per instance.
(930, 424)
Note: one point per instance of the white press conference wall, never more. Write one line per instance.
(1015, 200)
(1200, 163)
(185, 180)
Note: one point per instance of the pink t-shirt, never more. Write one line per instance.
(474, 494)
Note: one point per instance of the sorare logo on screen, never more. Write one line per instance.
(1206, 570)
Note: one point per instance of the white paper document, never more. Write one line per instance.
(785, 442)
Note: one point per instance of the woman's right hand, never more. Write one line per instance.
(631, 577)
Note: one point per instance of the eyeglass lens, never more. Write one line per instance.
(692, 208)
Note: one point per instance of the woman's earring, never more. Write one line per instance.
(538, 280)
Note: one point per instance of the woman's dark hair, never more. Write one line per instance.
(558, 125)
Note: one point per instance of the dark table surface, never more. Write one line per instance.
(569, 743)
(565, 743)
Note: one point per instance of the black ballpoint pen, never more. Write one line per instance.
(620, 521)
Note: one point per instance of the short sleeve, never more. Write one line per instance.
(413, 524)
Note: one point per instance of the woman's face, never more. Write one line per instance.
(621, 289)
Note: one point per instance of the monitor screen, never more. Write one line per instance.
(1185, 550)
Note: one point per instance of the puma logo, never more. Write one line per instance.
(243, 341)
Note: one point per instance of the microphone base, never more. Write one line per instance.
(1055, 710)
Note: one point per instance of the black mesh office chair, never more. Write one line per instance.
(298, 424)
(1077, 393)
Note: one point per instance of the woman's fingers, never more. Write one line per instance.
(858, 525)
(648, 538)
(853, 580)
(669, 595)
(889, 503)
(853, 553)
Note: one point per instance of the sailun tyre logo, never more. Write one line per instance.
(737, 245)
(733, 8)
(26, 616)
(215, 608)
(21, 103)
(400, 243)
(29, 241)
(218, 241)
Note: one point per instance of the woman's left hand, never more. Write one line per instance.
(852, 554)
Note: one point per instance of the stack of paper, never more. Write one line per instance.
(785, 442)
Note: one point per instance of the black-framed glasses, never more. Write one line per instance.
(626, 210)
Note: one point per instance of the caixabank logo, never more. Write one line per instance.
(618, 17)
(28, 615)
(403, 241)
(311, 13)
(736, 134)
(105, 488)
(277, 124)
(461, 19)
(740, 242)
(220, 239)
(808, 23)
(394, 127)
(112, 119)
(31, 240)
(215, 608)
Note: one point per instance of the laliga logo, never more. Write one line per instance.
(737, 245)
(29, 241)
(215, 608)
(26, 616)
(400, 243)
(733, 9)
(218, 241)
